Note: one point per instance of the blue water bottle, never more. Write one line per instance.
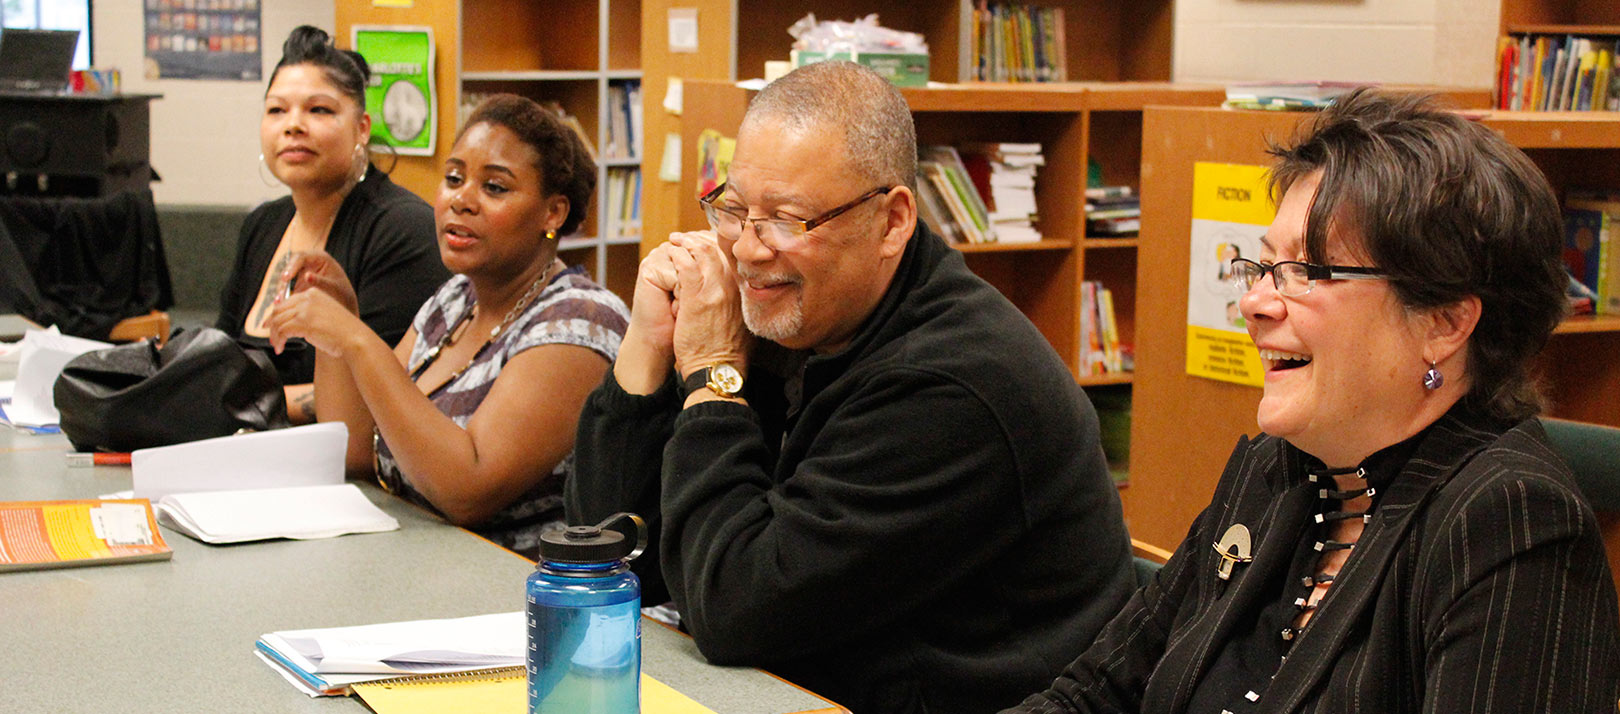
(584, 612)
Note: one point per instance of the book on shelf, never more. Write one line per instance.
(1591, 249)
(624, 120)
(945, 163)
(1112, 211)
(1005, 174)
(1556, 72)
(1101, 351)
(950, 193)
(623, 202)
(1012, 42)
(38, 535)
(932, 209)
(1285, 95)
(1105, 193)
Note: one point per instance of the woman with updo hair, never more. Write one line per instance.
(313, 134)
(472, 413)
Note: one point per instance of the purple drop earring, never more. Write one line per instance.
(1432, 379)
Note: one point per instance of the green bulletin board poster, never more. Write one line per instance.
(400, 97)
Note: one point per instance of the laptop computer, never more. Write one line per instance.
(36, 61)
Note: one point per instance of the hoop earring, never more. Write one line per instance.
(362, 161)
(1433, 379)
(272, 182)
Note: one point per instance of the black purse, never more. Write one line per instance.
(200, 385)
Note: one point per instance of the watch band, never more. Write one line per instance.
(694, 381)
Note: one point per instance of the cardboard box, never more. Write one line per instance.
(904, 70)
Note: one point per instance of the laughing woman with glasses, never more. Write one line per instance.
(1401, 538)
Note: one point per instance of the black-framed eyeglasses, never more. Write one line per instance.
(1294, 278)
(778, 234)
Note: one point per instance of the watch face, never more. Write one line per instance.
(725, 380)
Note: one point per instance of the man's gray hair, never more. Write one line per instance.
(880, 140)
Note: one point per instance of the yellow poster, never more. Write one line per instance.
(1231, 211)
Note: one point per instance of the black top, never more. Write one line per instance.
(384, 238)
(921, 522)
(1479, 584)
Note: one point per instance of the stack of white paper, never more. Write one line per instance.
(303, 513)
(301, 456)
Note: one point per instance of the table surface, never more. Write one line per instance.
(177, 635)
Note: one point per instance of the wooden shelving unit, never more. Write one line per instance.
(569, 53)
(1042, 279)
(1113, 44)
(502, 51)
(1183, 427)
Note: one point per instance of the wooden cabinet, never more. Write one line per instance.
(1071, 122)
(570, 53)
(1183, 428)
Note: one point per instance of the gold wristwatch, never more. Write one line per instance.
(722, 379)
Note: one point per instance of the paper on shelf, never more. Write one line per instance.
(300, 456)
(302, 513)
(44, 354)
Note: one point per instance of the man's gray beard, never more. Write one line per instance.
(785, 325)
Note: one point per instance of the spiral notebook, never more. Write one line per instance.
(493, 692)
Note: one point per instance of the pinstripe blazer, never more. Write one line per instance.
(1480, 585)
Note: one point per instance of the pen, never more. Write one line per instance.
(98, 459)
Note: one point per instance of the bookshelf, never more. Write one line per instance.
(1071, 122)
(1105, 41)
(1183, 428)
(571, 53)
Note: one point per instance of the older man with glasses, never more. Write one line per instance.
(870, 473)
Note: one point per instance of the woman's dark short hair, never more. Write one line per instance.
(565, 167)
(1448, 209)
(345, 69)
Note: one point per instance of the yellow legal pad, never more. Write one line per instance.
(494, 693)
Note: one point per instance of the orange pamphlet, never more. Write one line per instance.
(35, 535)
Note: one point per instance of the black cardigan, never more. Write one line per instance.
(929, 532)
(1480, 585)
(384, 238)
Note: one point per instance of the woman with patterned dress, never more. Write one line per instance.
(472, 414)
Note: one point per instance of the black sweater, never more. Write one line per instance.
(384, 238)
(930, 531)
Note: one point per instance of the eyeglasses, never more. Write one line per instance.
(778, 234)
(1294, 278)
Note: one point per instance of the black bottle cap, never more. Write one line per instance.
(594, 544)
